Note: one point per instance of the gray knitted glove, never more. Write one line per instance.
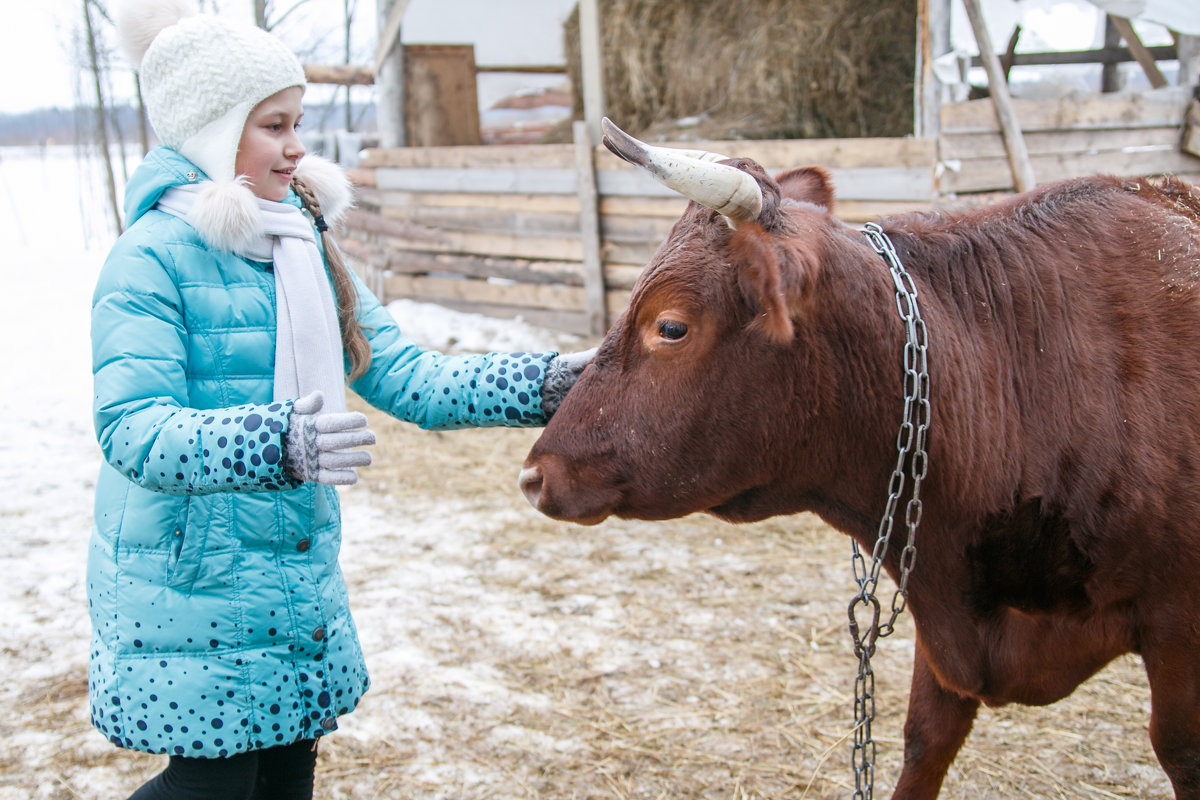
(561, 373)
(318, 445)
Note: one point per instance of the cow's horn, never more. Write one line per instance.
(693, 173)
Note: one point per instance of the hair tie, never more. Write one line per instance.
(319, 221)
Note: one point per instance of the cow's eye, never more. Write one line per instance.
(670, 329)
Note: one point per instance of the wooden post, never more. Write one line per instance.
(592, 66)
(1140, 54)
(933, 40)
(389, 73)
(1010, 129)
(1188, 48)
(589, 230)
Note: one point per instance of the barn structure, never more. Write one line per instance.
(558, 233)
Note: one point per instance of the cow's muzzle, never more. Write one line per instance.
(551, 490)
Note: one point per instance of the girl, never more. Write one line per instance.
(222, 635)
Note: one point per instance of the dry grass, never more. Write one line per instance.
(758, 69)
(690, 659)
(726, 670)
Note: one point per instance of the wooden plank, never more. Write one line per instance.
(1102, 55)
(519, 203)
(663, 207)
(635, 229)
(618, 301)
(591, 66)
(989, 174)
(486, 220)
(1002, 104)
(636, 254)
(339, 74)
(1143, 57)
(533, 271)
(485, 157)
(389, 34)
(477, 180)
(361, 178)
(550, 297)
(486, 244)
(780, 154)
(858, 183)
(989, 145)
(868, 210)
(1191, 130)
(440, 103)
(1151, 109)
(617, 276)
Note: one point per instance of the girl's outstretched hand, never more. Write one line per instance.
(561, 374)
(318, 446)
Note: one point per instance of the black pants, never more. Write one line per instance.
(277, 773)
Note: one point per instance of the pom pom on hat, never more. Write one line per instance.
(201, 76)
(139, 21)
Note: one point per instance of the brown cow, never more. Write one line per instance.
(758, 371)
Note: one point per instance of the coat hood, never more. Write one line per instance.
(226, 215)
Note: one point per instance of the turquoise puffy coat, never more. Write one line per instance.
(220, 617)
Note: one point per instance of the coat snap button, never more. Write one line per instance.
(329, 723)
(303, 545)
(318, 634)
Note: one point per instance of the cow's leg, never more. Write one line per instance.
(1173, 669)
(938, 722)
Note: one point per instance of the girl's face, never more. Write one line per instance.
(270, 147)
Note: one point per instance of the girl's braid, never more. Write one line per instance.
(354, 341)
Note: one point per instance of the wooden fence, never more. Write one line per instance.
(558, 234)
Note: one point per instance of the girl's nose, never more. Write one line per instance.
(294, 148)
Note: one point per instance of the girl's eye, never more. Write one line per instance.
(672, 330)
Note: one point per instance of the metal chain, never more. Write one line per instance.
(910, 444)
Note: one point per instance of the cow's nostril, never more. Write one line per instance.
(530, 481)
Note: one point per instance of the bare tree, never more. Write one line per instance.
(101, 115)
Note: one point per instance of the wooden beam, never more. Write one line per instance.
(592, 66)
(339, 74)
(933, 40)
(389, 74)
(1018, 158)
(389, 33)
(1134, 42)
(589, 230)
(527, 69)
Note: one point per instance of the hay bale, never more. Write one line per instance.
(757, 69)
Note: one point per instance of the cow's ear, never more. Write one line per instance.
(755, 255)
(807, 184)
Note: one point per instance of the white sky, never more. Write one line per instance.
(39, 61)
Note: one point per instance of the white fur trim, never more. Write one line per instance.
(226, 215)
(139, 21)
(330, 185)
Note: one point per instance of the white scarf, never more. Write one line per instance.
(308, 342)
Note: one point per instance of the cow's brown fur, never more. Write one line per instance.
(1063, 487)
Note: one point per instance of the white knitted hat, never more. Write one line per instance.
(201, 76)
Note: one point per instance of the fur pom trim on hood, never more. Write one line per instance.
(226, 212)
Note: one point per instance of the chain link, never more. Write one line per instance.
(910, 446)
